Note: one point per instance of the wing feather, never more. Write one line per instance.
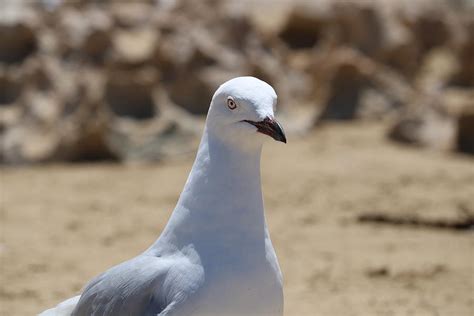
(129, 288)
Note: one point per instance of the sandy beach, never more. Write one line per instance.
(63, 224)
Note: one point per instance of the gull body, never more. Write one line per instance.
(215, 256)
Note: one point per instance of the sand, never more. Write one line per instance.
(63, 224)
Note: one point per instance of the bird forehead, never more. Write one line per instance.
(249, 89)
(254, 97)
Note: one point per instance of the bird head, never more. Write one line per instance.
(243, 109)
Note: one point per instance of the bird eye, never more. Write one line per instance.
(231, 103)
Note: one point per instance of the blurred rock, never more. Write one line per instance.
(359, 25)
(400, 49)
(133, 80)
(303, 25)
(460, 105)
(429, 128)
(44, 107)
(134, 46)
(96, 45)
(465, 74)
(130, 94)
(437, 69)
(10, 89)
(431, 28)
(192, 92)
(171, 134)
(347, 76)
(16, 43)
(439, 122)
(373, 103)
(23, 144)
(131, 14)
(18, 38)
(84, 32)
(465, 133)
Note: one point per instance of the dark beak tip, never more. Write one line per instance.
(270, 127)
(279, 134)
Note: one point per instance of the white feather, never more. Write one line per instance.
(62, 309)
(214, 256)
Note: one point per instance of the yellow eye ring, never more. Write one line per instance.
(231, 103)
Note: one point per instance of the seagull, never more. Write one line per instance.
(214, 256)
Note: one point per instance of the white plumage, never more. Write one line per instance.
(215, 256)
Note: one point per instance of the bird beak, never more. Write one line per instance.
(270, 127)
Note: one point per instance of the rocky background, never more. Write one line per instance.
(370, 204)
(124, 81)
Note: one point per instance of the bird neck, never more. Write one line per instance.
(222, 194)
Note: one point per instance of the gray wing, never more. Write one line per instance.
(130, 288)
